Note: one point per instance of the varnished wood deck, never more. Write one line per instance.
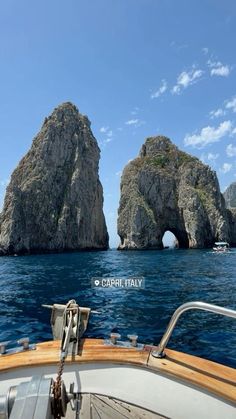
(216, 378)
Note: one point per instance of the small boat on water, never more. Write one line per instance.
(221, 247)
(76, 377)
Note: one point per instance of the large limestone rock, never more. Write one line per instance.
(232, 224)
(165, 189)
(230, 196)
(54, 200)
(230, 202)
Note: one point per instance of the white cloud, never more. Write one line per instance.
(161, 90)
(186, 79)
(135, 111)
(212, 64)
(212, 156)
(209, 157)
(132, 122)
(231, 104)
(4, 182)
(119, 173)
(109, 133)
(217, 113)
(223, 71)
(226, 168)
(205, 50)
(104, 129)
(105, 142)
(230, 150)
(208, 135)
(135, 122)
(178, 47)
(228, 105)
(218, 69)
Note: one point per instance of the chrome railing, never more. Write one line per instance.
(159, 353)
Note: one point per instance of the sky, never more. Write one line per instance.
(137, 68)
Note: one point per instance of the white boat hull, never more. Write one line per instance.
(154, 391)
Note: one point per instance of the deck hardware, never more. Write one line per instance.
(133, 339)
(114, 337)
(159, 353)
(10, 348)
(3, 346)
(29, 400)
(60, 322)
(6, 402)
(24, 342)
(33, 399)
(69, 322)
(74, 399)
(123, 344)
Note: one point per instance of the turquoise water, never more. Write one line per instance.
(172, 277)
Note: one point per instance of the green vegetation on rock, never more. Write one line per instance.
(185, 158)
(160, 161)
(203, 196)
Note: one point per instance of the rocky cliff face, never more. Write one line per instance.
(232, 223)
(230, 202)
(165, 189)
(54, 199)
(230, 196)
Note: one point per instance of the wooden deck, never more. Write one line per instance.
(215, 378)
(94, 406)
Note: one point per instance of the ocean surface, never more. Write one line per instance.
(172, 277)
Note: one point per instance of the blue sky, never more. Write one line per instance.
(137, 68)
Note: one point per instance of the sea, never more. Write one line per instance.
(168, 279)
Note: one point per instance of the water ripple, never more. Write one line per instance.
(171, 278)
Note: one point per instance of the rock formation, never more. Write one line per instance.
(230, 202)
(230, 196)
(165, 189)
(54, 200)
(232, 223)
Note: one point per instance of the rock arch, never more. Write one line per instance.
(167, 189)
(181, 238)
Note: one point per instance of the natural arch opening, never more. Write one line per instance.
(174, 238)
(169, 240)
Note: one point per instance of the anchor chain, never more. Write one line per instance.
(60, 398)
(57, 392)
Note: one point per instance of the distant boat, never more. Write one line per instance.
(221, 247)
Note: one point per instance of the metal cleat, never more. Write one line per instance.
(3, 346)
(114, 337)
(133, 339)
(24, 342)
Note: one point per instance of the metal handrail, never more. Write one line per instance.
(159, 353)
